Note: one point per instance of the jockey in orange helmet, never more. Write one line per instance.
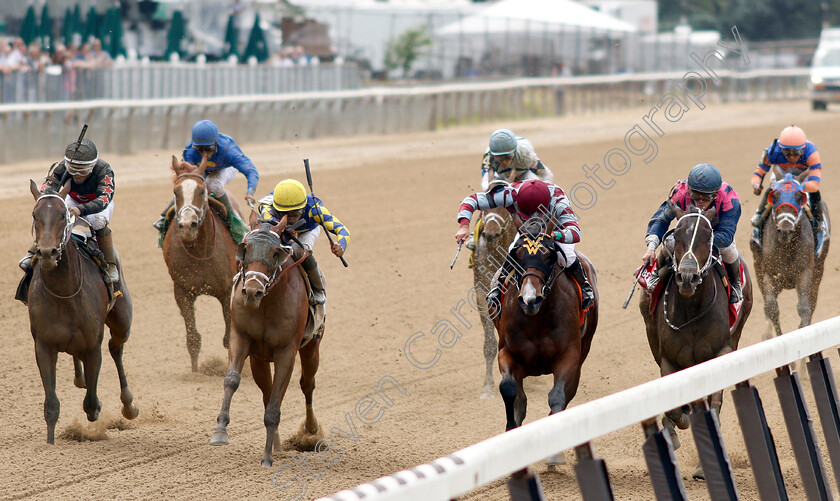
(793, 153)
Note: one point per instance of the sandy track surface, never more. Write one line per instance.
(398, 195)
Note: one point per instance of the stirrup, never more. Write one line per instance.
(756, 236)
(26, 262)
(494, 296)
(587, 298)
(736, 295)
(318, 297)
(159, 224)
(652, 282)
(755, 220)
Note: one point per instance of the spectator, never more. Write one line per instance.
(101, 58)
(36, 59)
(84, 58)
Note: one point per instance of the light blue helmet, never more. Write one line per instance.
(502, 142)
(205, 133)
(704, 178)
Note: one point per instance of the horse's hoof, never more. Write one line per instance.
(672, 433)
(130, 411)
(487, 393)
(267, 462)
(558, 459)
(219, 438)
(79, 382)
(683, 422)
(93, 416)
(698, 473)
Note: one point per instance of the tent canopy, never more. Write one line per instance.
(513, 16)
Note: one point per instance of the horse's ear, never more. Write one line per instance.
(252, 221)
(281, 226)
(202, 166)
(64, 190)
(710, 213)
(175, 163)
(34, 189)
(676, 210)
(799, 196)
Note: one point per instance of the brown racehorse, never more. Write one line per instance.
(540, 328)
(270, 309)
(198, 251)
(786, 258)
(68, 309)
(690, 324)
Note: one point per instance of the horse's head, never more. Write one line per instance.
(190, 197)
(693, 242)
(260, 256)
(495, 220)
(50, 224)
(536, 257)
(787, 198)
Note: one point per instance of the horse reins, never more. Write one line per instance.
(266, 282)
(68, 228)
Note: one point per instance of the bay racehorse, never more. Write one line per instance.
(541, 327)
(68, 305)
(690, 324)
(199, 252)
(495, 234)
(785, 259)
(270, 309)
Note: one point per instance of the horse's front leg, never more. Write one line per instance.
(92, 362)
(491, 345)
(186, 303)
(507, 387)
(804, 305)
(46, 357)
(239, 348)
(771, 305)
(284, 362)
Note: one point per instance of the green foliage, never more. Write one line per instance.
(405, 49)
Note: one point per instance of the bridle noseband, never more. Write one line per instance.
(690, 253)
(68, 227)
(199, 213)
(269, 239)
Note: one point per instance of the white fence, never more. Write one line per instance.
(39, 130)
(497, 457)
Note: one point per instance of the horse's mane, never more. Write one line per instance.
(535, 225)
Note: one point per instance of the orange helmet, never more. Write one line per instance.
(792, 138)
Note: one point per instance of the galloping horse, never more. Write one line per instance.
(541, 328)
(68, 309)
(691, 324)
(198, 251)
(786, 259)
(495, 235)
(270, 309)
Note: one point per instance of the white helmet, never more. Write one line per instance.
(525, 157)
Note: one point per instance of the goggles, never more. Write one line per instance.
(505, 157)
(705, 197)
(291, 213)
(80, 168)
(205, 149)
(791, 152)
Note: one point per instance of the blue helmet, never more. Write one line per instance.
(704, 178)
(205, 133)
(502, 142)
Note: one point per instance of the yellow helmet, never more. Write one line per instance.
(289, 195)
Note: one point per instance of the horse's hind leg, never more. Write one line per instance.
(310, 357)
(78, 373)
(186, 303)
(491, 345)
(284, 362)
(115, 346)
(507, 387)
(520, 405)
(46, 357)
(93, 362)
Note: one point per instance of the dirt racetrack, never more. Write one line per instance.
(398, 195)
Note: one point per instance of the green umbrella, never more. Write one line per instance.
(92, 26)
(113, 22)
(231, 39)
(72, 24)
(67, 27)
(29, 29)
(45, 30)
(177, 30)
(256, 43)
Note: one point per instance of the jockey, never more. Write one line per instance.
(305, 213)
(520, 164)
(703, 188)
(224, 158)
(793, 153)
(523, 200)
(91, 197)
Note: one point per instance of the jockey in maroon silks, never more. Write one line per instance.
(703, 188)
(523, 200)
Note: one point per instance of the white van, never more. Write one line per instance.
(825, 70)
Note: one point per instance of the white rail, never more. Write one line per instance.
(497, 457)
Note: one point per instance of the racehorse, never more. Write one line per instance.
(199, 252)
(541, 327)
(691, 324)
(270, 309)
(496, 233)
(786, 258)
(68, 309)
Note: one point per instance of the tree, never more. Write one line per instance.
(405, 49)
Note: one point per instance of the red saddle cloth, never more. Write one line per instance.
(648, 271)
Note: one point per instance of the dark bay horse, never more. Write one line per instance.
(199, 252)
(690, 324)
(270, 309)
(68, 309)
(786, 259)
(541, 330)
(496, 233)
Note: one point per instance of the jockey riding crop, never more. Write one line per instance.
(456, 255)
(633, 289)
(75, 151)
(309, 180)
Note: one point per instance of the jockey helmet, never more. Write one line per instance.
(531, 195)
(289, 195)
(502, 142)
(205, 133)
(525, 158)
(704, 178)
(80, 162)
(792, 138)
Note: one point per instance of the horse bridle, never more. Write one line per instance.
(547, 278)
(195, 210)
(68, 228)
(709, 259)
(276, 269)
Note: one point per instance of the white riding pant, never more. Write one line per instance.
(97, 221)
(217, 179)
(308, 238)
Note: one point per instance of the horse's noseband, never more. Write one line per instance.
(266, 239)
(68, 227)
(704, 270)
(199, 213)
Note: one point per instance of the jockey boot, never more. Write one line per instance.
(814, 200)
(231, 212)
(733, 273)
(310, 266)
(106, 245)
(160, 224)
(577, 272)
(494, 297)
(26, 263)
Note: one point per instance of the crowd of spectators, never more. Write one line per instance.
(15, 56)
(292, 56)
